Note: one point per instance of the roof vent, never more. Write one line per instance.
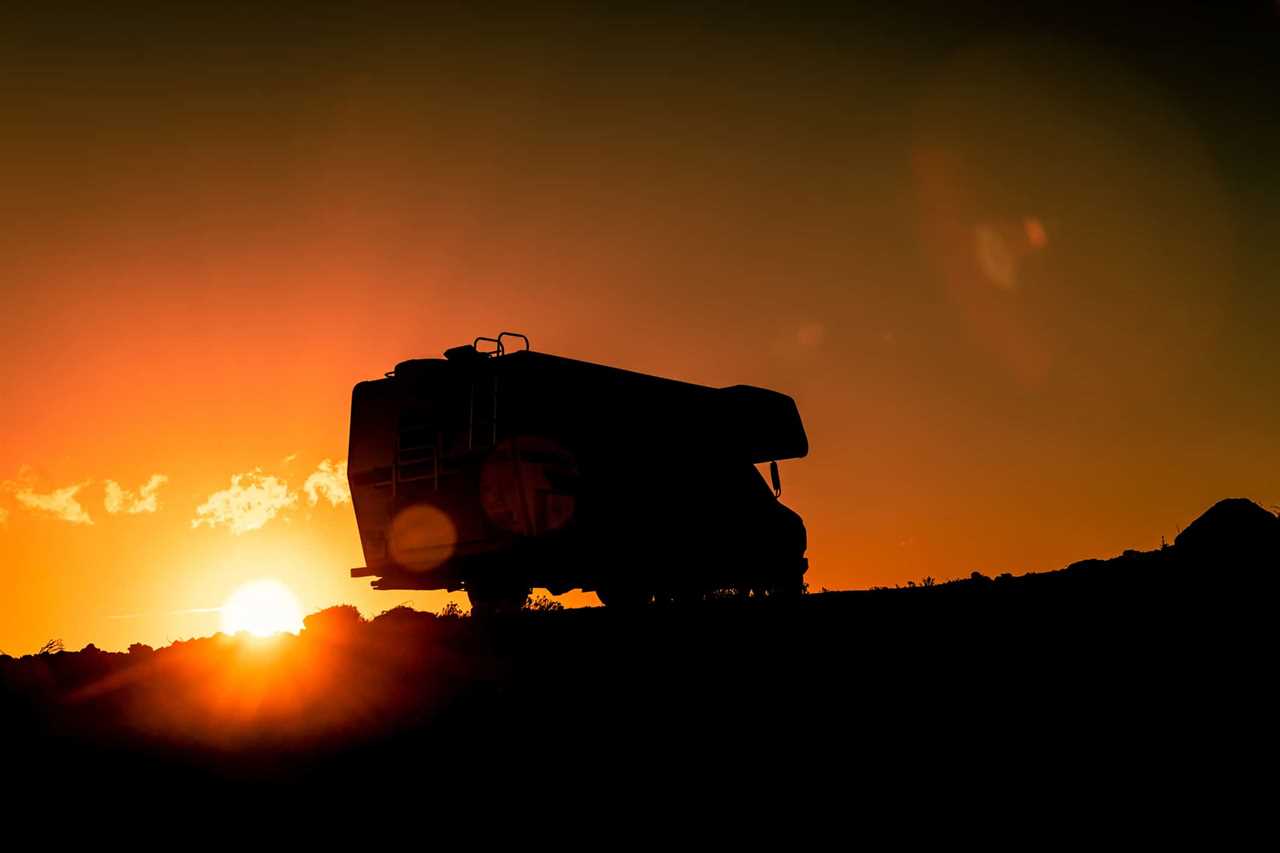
(466, 352)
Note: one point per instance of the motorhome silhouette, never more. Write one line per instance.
(497, 471)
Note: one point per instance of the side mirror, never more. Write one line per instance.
(776, 478)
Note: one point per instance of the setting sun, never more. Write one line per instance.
(262, 608)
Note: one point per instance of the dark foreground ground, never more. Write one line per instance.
(1153, 666)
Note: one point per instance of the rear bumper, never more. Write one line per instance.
(449, 562)
(397, 578)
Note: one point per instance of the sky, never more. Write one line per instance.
(1016, 268)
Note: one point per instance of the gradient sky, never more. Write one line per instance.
(1018, 270)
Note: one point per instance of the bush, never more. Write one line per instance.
(339, 619)
(542, 604)
(452, 610)
(401, 618)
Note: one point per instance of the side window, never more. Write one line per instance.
(416, 448)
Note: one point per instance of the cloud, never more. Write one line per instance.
(116, 498)
(252, 500)
(60, 503)
(4, 516)
(145, 500)
(328, 481)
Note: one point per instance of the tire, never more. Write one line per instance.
(786, 586)
(489, 602)
(619, 597)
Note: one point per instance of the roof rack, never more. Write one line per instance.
(499, 348)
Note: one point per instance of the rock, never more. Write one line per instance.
(1235, 531)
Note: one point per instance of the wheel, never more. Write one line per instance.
(685, 596)
(789, 587)
(786, 591)
(622, 597)
(487, 601)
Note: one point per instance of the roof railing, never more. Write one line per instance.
(499, 348)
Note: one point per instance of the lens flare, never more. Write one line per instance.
(422, 537)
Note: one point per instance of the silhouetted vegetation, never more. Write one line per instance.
(1045, 659)
(451, 610)
(542, 604)
(340, 618)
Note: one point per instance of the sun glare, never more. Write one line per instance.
(262, 608)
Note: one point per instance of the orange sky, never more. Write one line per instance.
(1020, 283)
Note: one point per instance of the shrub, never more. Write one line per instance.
(341, 618)
(542, 604)
(451, 610)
